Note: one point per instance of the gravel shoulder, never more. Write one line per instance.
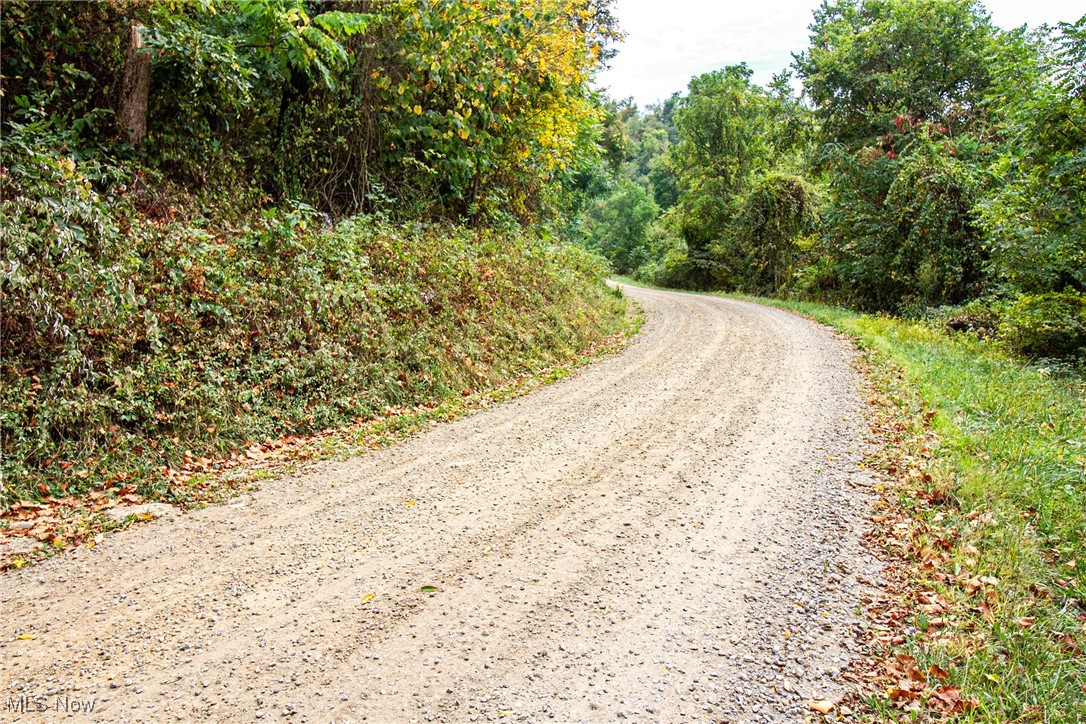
(673, 534)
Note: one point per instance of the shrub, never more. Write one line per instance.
(133, 338)
(776, 212)
(1052, 324)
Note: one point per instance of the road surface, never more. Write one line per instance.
(671, 535)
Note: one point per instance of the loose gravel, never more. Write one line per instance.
(672, 535)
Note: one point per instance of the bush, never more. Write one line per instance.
(1052, 324)
(134, 338)
(903, 220)
(777, 211)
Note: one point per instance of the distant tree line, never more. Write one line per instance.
(933, 165)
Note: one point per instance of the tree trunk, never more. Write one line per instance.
(135, 86)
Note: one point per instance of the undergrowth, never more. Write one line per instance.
(140, 335)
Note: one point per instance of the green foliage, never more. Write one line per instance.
(485, 105)
(944, 162)
(58, 67)
(1051, 324)
(173, 298)
(872, 60)
(1036, 218)
(721, 144)
(444, 109)
(618, 226)
(777, 212)
(699, 157)
(247, 43)
(902, 219)
(130, 340)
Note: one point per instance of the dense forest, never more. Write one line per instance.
(934, 166)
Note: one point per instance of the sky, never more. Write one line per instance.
(670, 41)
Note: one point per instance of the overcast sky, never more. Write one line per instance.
(670, 41)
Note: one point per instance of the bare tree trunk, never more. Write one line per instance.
(135, 86)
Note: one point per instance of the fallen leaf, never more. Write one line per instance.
(368, 597)
(917, 675)
(948, 694)
(25, 637)
(409, 503)
(429, 589)
(1026, 621)
(938, 672)
(822, 706)
(903, 692)
(964, 705)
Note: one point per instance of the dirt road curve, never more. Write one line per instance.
(670, 536)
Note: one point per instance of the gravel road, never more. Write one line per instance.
(672, 535)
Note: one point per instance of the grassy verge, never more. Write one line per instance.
(984, 520)
(227, 338)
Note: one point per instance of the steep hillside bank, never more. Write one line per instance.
(140, 333)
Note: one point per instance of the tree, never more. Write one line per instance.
(872, 60)
(722, 141)
(1036, 218)
(618, 226)
(778, 210)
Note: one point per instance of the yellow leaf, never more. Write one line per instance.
(464, 134)
(409, 503)
(418, 110)
(368, 597)
(25, 637)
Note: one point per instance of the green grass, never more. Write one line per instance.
(1006, 497)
